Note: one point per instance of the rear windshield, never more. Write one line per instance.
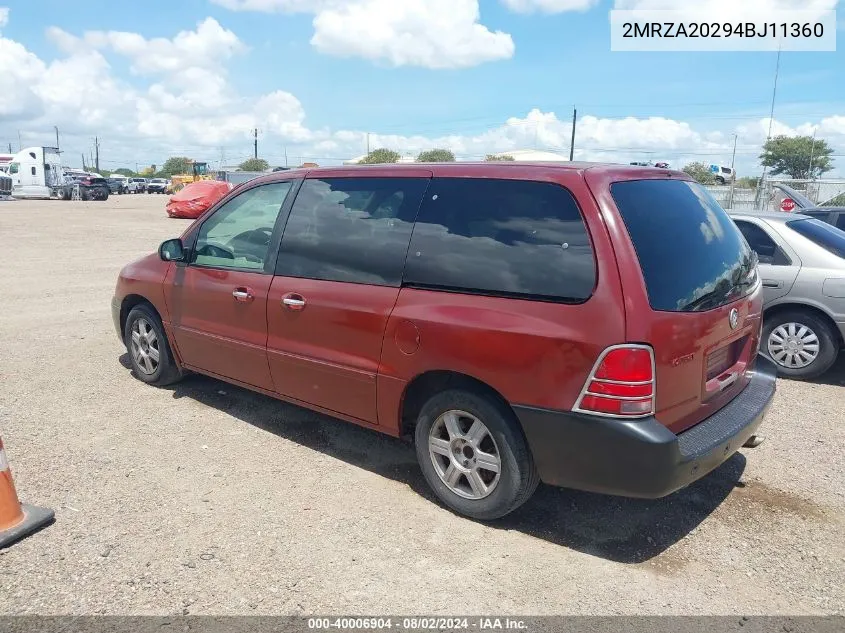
(692, 256)
(825, 235)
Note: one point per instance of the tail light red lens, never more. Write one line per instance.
(626, 364)
(621, 384)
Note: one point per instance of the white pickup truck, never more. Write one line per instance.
(137, 185)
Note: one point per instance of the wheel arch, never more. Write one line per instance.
(772, 311)
(130, 301)
(425, 385)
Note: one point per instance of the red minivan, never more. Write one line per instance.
(589, 326)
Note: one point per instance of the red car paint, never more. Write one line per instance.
(352, 350)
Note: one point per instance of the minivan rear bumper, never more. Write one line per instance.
(642, 458)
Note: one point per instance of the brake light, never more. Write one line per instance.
(621, 383)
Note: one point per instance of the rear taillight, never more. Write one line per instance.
(621, 383)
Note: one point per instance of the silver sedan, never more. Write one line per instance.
(802, 265)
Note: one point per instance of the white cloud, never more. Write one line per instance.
(4, 16)
(429, 33)
(19, 71)
(192, 109)
(205, 47)
(549, 6)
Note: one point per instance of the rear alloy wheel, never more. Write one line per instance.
(464, 454)
(801, 344)
(473, 454)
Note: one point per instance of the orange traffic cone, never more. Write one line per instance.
(16, 520)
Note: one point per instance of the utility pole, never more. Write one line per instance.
(255, 135)
(733, 176)
(286, 156)
(56, 127)
(572, 142)
(97, 150)
(812, 151)
(83, 163)
(20, 145)
(771, 118)
(368, 143)
(10, 147)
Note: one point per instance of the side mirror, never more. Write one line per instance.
(172, 250)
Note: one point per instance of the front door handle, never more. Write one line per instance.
(771, 283)
(244, 295)
(293, 301)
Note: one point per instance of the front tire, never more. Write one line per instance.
(801, 344)
(149, 351)
(473, 454)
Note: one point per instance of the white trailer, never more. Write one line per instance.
(37, 173)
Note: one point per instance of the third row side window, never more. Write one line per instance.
(501, 237)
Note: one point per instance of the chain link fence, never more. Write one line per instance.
(825, 192)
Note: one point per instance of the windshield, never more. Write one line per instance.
(693, 258)
(825, 235)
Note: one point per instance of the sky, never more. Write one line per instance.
(320, 79)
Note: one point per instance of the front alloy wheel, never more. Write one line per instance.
(145, 348)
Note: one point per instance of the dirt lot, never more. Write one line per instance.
(205, 498)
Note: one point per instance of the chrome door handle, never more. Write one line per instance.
(293, 302)
(242, 294)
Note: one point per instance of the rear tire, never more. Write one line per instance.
(461, 437)
(149, 351)
(801, 344)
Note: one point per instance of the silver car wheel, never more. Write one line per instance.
(464, 454)
(145, 348)
(793, 345)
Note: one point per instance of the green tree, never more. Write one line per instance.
(747, 182)
(176, 165)
(490, 158)
(793, 155)
(123, 171)
(436, 156)
(701, 173)
(255, 164)
(381, 155)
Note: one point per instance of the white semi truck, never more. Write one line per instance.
(37, 172)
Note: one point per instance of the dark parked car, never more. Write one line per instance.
(90, 187)
(592, 327)
(117, 185)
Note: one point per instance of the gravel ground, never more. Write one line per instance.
(204, 498)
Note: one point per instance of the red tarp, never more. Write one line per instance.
(196, 197)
